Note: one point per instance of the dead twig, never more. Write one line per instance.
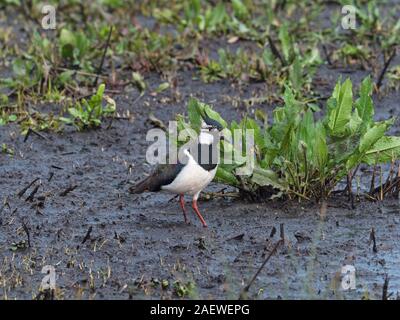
(372, 185)
(373, 240)
(51, 175)
(385, 67)
(30, 130)
(275, 51)
(68, 190)
(245, 290)
(282, 233)
(173, 198)
(26, 229)
(237, 237)
(385, 288)
(87, 236)
(327, 55)
(103, 56)
(33, 193)
(272, 233)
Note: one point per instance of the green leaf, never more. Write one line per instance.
(82, 44)
(66, 120)
(74, 112)
(19, 67)
(67, 43)
(385, 149)
(226, 176)
(162, 87)
(296, 74)
(239, 9)
(367, 142)
(138, 81)
(100, 91)
(194, 112)
(354, 123)
(321, 147)
(340, 108)
(286, 43)
(263, 177)
(67, 37)
(373, 135)
(364, 103)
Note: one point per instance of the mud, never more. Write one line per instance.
(138, 241)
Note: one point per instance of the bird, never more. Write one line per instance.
(190, 175)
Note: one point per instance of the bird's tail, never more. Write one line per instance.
(141, 187)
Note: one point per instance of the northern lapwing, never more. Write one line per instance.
(193, 173)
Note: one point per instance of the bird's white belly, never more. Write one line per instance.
(191, 180)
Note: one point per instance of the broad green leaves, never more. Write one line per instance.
(301, 156)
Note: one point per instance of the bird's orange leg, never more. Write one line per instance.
(182, 202)
(196, 209)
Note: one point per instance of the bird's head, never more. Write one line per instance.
(209, 124)
(209, 130)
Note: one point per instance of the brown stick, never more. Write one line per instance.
(26, 229)
(276, 52)
(372, 186)
(103, 56)
(21, 193)
(87, 236)
(282, 233)
(246, 288)
(32, 194)
(385, 67)
(68, 190)
(385, 288)
(327, 55)
(373, 240)
(30, 130)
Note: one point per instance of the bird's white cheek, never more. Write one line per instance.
(206, 138)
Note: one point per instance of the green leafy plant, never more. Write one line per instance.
(73, 45)
(89, 114)
(299, 156)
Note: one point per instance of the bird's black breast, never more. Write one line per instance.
(207, 156)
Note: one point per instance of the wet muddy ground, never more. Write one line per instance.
(107, 243)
